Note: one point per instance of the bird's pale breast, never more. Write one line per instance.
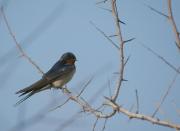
(61, 82)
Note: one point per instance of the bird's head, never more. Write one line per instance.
(68, 58)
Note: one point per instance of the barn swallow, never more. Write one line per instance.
(60, 74)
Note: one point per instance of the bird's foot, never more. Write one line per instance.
(65, 90)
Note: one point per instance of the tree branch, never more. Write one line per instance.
(172, 22)
(131, 115)
(18, 45)
(121, 50)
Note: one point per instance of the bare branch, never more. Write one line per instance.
(166, 94)
(131, 115)
(18, 45)
(75, 116)
(98, 29)
(121, 50)
(172, 21)
(86, 107)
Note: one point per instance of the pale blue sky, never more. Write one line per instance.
(48, 28)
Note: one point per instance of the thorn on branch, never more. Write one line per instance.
(129, 40)
(124, 79)
(113, 35)
(100, 2)
(107, 98)
(121, 22)
(127, 60)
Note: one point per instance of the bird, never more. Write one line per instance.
(59, 75)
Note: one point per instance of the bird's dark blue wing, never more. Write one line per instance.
(58, 71)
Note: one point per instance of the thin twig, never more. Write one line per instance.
(89, 81)
(156, 11)
(98, 29)
(160, 57)
(18, 45)
(172, 21)
(60, 105)
(166, 94)
(95, 123)
(137, 102)
(109, 87)
(104, 126)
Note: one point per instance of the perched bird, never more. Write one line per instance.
(61, 73)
